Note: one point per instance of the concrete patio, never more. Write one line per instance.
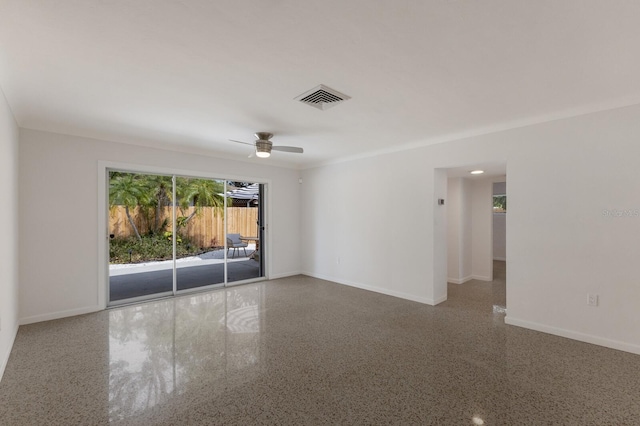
(134, 280)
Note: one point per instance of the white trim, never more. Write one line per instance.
(166, 171)
(267, 214)
(174, 234)
(460, 280)
(468, 278)
(439, 300)
(481, 278)
(103, 237)
(285, 275)
(247, 281)
(60, 314)
(380, 290)
(575, 335)
(582, 110)
(140, 299)
(5, 357)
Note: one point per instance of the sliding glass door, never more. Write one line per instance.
(245, 229)
(200, 223)
(173, 234)
(140, 251)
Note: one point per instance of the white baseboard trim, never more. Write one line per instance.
(5, 357)
(439, 300)
(569, 334)
(284, 275)
(381, 290)
(468, 278)
(459, 280)
(481, 278)
(503, 259)
(60, 314)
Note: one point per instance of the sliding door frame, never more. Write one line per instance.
(104, 167)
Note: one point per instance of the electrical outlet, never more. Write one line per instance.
(592, 299)
(337, 260)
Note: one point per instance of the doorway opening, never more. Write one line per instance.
(475, 237)
(172, 234)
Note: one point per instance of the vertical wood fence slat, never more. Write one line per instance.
(206, 228)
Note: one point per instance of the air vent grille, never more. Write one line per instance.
(322, 97)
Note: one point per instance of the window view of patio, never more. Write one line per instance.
(142, 208)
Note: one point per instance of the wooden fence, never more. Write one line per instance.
(206, 228)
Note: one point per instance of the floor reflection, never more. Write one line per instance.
(158, 349)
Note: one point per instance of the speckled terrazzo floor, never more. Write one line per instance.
(306, 351)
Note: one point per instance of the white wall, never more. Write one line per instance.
(469, 230)
(59, 215)
(439, 238)
(500, 236)
(459, 250)
(481, 229)
(9, 240)
(454, 231)
(359, 212)
(562, 175)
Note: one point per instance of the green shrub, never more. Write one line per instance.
(152, 247)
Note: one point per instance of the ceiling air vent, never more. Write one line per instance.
(322, 97)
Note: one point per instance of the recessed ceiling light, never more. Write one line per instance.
(477, 172)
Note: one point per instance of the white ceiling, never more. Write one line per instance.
(193, 73)
(491, 170)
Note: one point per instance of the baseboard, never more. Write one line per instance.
(582, 337)
(60, 314)
(480, 278)
(284, 275)
(5, 357)
(460, 280)
(380, 290)
(439, 300)
(503, 259)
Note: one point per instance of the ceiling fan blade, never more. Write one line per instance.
(244, 143)
(294, 149)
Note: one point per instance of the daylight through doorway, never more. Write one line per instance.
(173, 234)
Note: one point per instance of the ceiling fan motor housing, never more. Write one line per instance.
(263, 146)
(265, 136)
(262, 143)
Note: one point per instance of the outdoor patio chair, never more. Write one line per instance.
(234, 242)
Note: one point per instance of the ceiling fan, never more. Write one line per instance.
(264, 146)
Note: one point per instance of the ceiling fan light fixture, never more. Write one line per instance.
(263, 145)
(263, 148)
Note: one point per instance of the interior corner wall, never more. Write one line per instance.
(439, 291)
(459, 227)
(58, 183)
(454, 231)
(9, 242)
(481, 229)
(364, 227)
(500, 236)
(369, 222)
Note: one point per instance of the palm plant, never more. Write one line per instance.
(130, 191)
(199, 193)
(160, 188)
